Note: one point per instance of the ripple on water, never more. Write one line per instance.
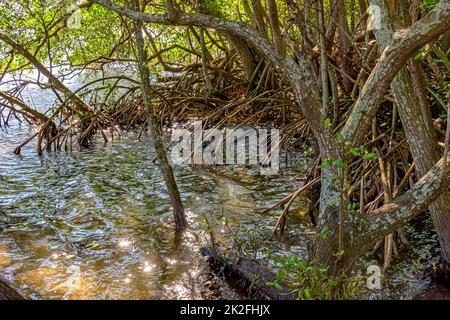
(97, 223)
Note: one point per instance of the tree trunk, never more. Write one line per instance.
(177, 205)
(323, 57)
(326, 243)
(204, 51)
(391, 61)
(420, 136)
(446, 41)
(26, 110)
(258, 16)
(276, 30)
(345, 49)
(379, 223)
(171, 10)
(245, 54)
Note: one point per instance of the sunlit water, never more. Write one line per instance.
(97, 223)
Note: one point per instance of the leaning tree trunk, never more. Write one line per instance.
(379, 223)
(328, 246)
(175, 198)
(25, 110)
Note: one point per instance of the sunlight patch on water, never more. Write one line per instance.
(125, 243)
(5, 260)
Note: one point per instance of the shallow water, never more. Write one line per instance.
(96, 223)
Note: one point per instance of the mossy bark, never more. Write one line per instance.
(166, 168)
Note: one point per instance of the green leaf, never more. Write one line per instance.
(355, 152)
(326, 163)
(339, 253)
(371, 156)
(339, 137)
(352, 238)
(324, 232)
(281, 274)
(339, 163)
(307, 293)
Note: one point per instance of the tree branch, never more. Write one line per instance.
(388, 218)
(404, 43)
